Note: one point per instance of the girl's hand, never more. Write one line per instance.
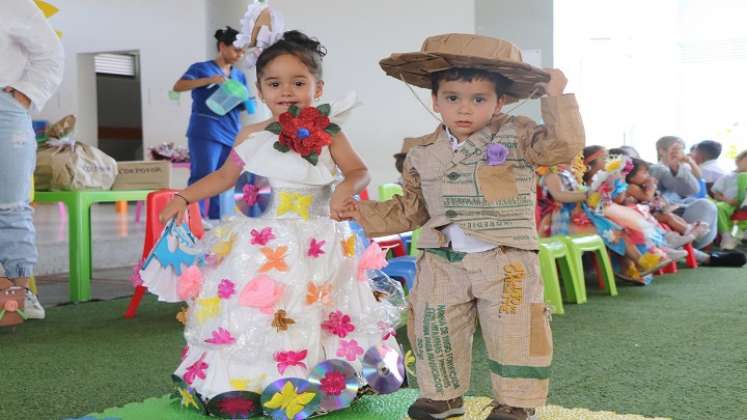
(175, 207)
(338, 204)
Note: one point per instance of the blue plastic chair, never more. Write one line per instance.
(403, 268)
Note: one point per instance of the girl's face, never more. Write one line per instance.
(229, 53)
(640, 177)
(597, 165)
(286, 81)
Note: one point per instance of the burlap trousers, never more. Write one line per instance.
(502, 287)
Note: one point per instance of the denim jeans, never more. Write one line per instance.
(17, 161)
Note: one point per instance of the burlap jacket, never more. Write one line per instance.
(493, 203)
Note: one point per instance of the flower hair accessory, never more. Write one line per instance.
(305, 131)
(260, 28)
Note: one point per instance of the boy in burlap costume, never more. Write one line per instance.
(471, 186)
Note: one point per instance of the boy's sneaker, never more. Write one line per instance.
(505, 412)
(426, 409)
(32, 307)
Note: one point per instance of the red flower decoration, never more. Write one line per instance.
(305, 132)
(237, 407)
(333, 383)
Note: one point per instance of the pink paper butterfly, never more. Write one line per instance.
(373, 258)
(286, 359)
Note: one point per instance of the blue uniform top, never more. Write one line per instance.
(204, 123)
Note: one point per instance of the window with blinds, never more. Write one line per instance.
(116, 64)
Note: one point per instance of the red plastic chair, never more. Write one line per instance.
(155, 202)
(392, 243)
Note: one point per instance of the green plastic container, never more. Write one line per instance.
(228, 95)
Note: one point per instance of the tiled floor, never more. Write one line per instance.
(117, 245)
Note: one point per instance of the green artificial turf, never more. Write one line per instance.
(677, 348)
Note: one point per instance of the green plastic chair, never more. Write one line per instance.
(414, 251)
(387, 191)
(573, 284)
(577, 245)
(549, 271)
(78, 205)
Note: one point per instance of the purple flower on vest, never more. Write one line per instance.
(496, 154)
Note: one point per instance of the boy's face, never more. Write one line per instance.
(466, 107)
(742, 165)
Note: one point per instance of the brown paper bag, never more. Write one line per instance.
(64, 164)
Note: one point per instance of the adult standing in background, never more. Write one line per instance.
(31, 64)
(679, 182)
(210, 136)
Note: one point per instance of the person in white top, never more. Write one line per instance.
(30, 72)
(706, 154)
(729, 198)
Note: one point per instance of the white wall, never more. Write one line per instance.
(526, 23)
(169, 34)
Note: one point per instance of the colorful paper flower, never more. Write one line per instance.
(649, 261)
(315, 248)
(221, 336)
(373, 258)
(262, 292)
(189, 283)
(293, 202)
(226, 289)
(305, 132)
(496, 154)
(286, 359)
(11, 306)
(249, 194)
(262, 237)
(333, 383)
(196, 370)
(350, 350)
(338, 324)
(181, 316)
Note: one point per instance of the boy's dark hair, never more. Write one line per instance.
(638, 164)
(467, 74)
(741, 155)
(709, 148)
(225, 36)
(399, 161)
(296, 43)
(619, 151)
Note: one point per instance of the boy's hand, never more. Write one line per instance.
(351, 210)
(557, 83)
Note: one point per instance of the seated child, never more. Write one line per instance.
(627, 233)
(642, 189)
(726, 192)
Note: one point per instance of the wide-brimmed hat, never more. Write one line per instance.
(443, 52)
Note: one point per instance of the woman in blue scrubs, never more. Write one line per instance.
(210, 136)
